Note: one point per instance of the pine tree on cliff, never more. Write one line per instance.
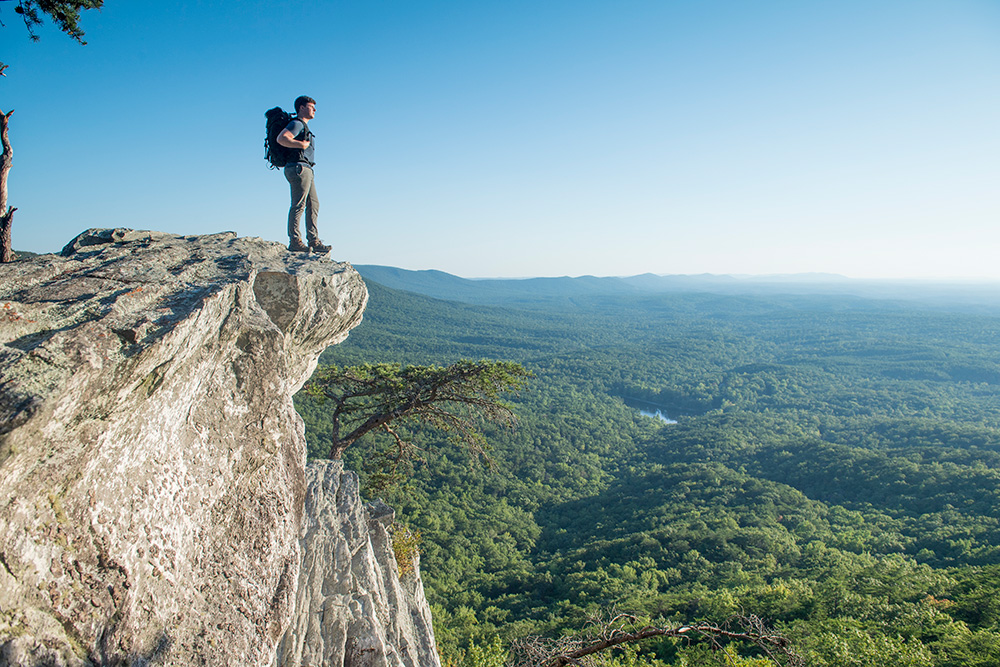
(379, 398)
(66, 15)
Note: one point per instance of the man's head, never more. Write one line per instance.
(305, 107)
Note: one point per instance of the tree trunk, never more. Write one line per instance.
(6, 251)
(6, 215)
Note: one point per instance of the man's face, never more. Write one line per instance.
(307, 111)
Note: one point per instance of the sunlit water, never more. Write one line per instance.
(658, 415)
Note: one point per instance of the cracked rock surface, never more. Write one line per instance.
(151, 460)
(352, 606)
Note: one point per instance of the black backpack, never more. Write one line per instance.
(276, 154)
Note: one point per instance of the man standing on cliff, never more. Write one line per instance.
(299, 172)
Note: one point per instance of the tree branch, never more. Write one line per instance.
(626, 629)
(454, 399)
(64, 13)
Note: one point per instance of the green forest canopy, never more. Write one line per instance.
(835, 469)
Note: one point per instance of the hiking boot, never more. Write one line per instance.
(319, 248)
(298, 246)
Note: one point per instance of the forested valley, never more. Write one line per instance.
(834, 469)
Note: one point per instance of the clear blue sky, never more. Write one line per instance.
(527, 138)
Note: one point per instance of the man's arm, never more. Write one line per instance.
(288, 140)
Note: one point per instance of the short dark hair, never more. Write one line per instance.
(303, 100)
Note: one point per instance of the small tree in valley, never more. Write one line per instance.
(379, 398)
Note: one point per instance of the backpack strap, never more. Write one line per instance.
(306, 133)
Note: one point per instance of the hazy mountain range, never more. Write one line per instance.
(441, 285)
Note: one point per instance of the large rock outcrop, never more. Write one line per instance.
(151, 461)
(352, 607)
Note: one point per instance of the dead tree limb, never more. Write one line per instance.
(627, 629)
(6, 247)
(6, 214)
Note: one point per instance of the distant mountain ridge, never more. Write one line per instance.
(441, 285)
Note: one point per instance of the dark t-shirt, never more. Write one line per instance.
(300, 131)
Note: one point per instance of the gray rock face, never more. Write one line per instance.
(151, 460)
(352, 608)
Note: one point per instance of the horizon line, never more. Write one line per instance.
(804, 276)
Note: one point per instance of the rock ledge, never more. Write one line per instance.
(151, 460)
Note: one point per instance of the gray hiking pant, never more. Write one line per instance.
(304, 198)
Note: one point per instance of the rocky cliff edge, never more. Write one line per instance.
(151, 461)
(352, 606)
